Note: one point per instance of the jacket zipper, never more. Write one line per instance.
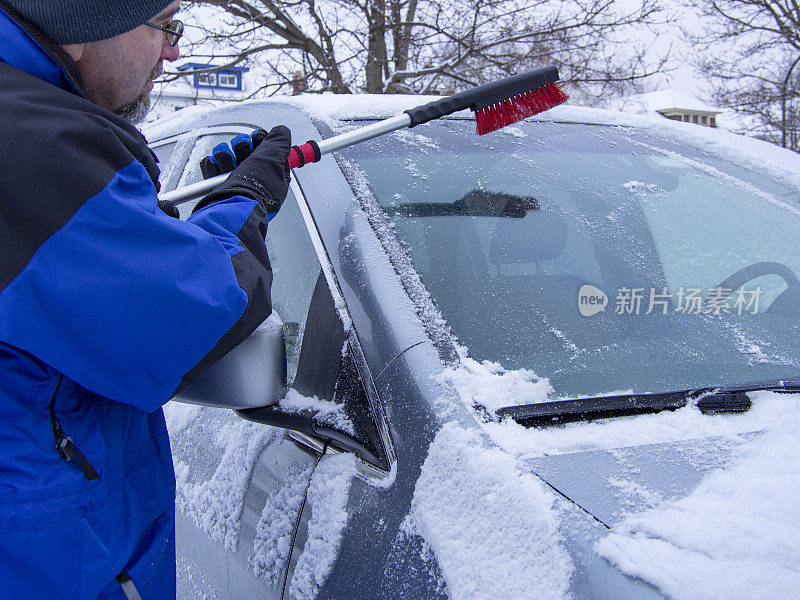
(64, 445)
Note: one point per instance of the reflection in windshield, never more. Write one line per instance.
(507, 231)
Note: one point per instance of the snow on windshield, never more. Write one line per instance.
(487, 386)
(506, 250)
(429, 316)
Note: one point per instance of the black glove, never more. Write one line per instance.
(258, 165)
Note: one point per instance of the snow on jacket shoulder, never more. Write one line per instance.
(107, 306)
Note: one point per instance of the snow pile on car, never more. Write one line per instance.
(216, 504)
(737, 531)
(434, 325)
(492, 527)
(768, 411)
(276, 526)
(325, 411)
(486, 385)
(327, 496)
(179, 416)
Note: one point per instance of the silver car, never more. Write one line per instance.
(556, 361)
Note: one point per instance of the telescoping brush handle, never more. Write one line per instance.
(495, 104)
(298, 156)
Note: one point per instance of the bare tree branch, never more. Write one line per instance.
(431, 46)
(749, 50)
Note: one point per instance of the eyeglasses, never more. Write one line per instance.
(173, 30)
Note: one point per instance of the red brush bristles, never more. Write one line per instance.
(519, 107)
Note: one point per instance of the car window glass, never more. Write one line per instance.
(202, 147)
(679, 219)
(292, 256)
(294, 272)
(528, 217)
(164, 151)
(172, 153)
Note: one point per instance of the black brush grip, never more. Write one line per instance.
(483, 95)
(436, 109)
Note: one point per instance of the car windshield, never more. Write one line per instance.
(607, 259)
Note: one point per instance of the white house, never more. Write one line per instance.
(196, 85)
(673, 105)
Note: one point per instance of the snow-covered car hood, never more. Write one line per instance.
(705, 514)
(696, 506)
(613, 484)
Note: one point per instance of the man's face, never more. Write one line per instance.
(118, 73)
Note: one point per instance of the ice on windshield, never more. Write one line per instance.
(600, 258)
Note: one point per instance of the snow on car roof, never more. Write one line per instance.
(334, 108)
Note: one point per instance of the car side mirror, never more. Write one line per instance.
(251, 379)
(252, 375)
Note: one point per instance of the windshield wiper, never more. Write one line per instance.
(790, 385)
(709, 401)
(595, 407)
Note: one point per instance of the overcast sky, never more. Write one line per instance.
(684, 78)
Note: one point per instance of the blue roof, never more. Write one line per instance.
(197, 66)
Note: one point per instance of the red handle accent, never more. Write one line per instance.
(308, 156)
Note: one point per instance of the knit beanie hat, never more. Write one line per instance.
(79, 21)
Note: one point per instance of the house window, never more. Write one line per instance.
(703, 120)
(686, 118)
(207, 79)
(712, 122)
(694, 118)
(228, 80)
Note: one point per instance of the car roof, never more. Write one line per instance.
(333, 109)
(344, 107)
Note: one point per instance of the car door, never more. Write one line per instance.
(241, 486)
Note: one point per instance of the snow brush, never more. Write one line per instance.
(495, 105)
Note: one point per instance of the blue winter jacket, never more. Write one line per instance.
(107, 307)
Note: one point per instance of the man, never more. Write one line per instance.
(107, 304)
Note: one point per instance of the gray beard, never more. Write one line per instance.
(134, 112)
